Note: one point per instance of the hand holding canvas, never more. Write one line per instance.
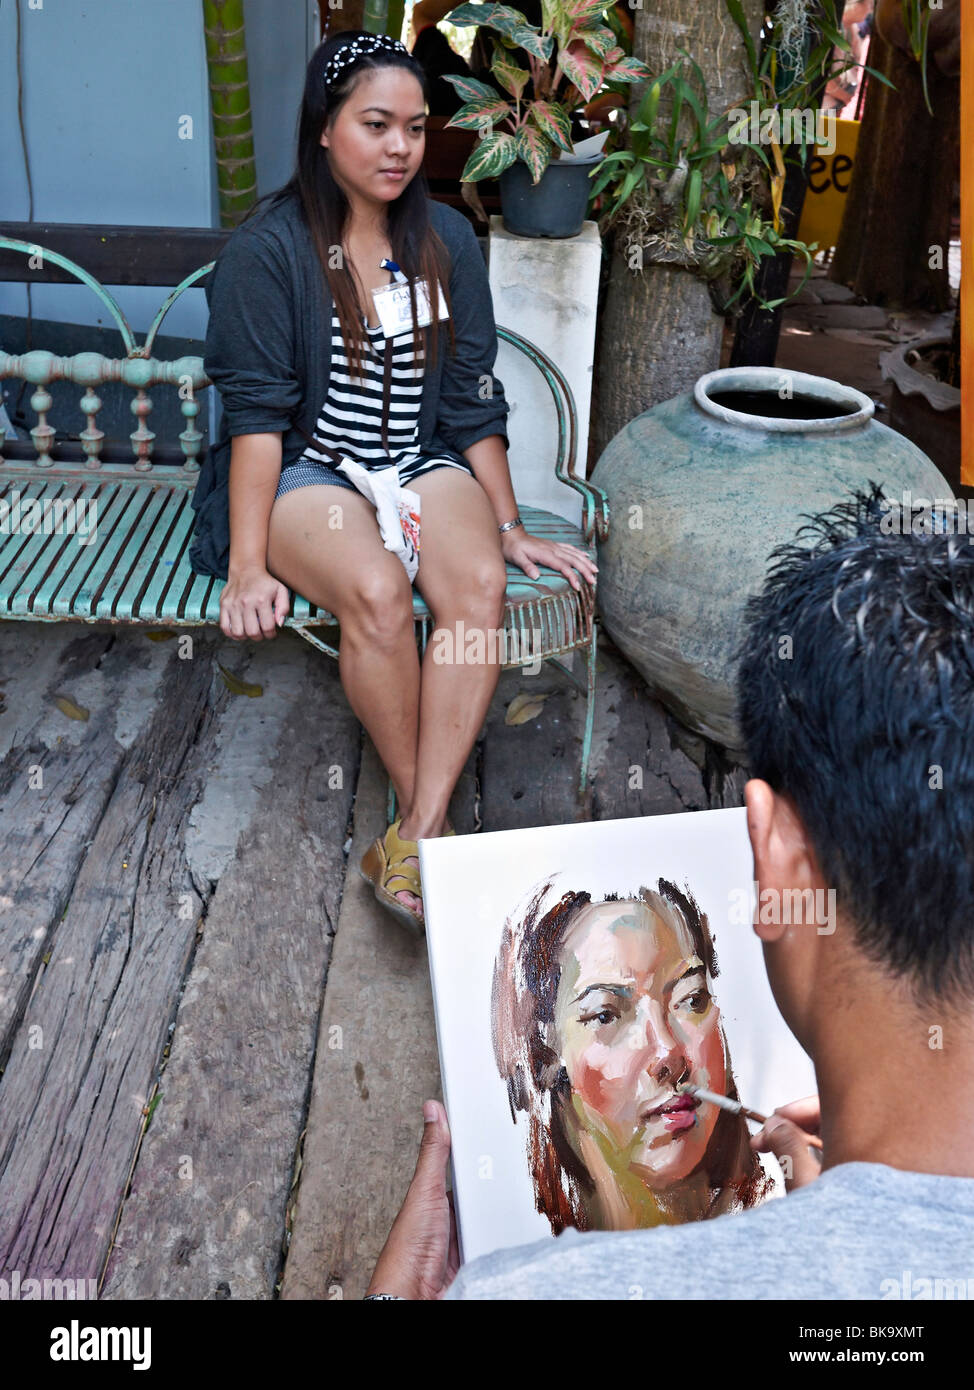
(421, 1257)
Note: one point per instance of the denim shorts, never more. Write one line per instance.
(307, 472)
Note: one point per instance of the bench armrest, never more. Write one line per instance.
(595, 516)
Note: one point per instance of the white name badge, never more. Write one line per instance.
(395, 315)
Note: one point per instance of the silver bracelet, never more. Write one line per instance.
(376, 1297)
(509, 525)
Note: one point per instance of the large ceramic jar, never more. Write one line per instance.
(701, 488)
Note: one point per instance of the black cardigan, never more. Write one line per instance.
(268, 352)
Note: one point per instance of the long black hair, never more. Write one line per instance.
(416, 247)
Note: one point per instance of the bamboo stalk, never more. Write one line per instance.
(233, 132)
(375, 16)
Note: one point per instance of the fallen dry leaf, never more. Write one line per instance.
(68, 706)
(524, 708)
(237, 686)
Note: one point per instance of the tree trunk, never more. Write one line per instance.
(658, 331)
(348, 15)
(895, 233)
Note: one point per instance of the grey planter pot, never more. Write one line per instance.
(555, 206)
(700, 493)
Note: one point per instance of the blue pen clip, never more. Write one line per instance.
(386, 264)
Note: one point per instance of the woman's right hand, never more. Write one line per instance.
(253, 604)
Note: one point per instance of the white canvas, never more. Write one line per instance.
(471, 883)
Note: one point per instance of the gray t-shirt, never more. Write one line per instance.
(861, 1230)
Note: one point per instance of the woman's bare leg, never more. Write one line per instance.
(347, 570)
(462, 578)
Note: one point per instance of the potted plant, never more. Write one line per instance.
(544, 189)
(690, 191)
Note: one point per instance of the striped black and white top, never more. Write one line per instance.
(350, 420)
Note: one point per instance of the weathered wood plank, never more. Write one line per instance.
(83, 1058)
(638, 768)
(376, 1063)
(530, 771)
(56, 777)
(205, 1216)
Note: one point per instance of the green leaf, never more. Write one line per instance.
(554, 122)
(881, 77)
(511, 77)
(533, 147)
(538, 45)
(480, 113)
(627, 69)
(490, 157)
(629, 183)
(694, 189)
(500, 17)
(601, 178)
(736, 11)
(758, 248)
(469, 88)
(678, 89)
(581, 67)
(601, 40)
(580, 10)
(648, 108)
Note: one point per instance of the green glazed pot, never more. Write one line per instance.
(701, 489)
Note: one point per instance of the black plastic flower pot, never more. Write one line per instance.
(553, 207)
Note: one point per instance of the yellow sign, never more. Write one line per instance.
(829, 176)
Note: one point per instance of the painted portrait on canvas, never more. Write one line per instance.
(602, 1007)
(576, 991)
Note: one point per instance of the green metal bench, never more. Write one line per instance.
(137, 569)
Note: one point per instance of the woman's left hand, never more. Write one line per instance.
(528, 552)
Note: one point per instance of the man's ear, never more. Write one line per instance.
(781, 854)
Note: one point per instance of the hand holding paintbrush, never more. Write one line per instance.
(792, 1140)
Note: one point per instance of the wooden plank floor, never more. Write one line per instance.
(176, 868)
(173, 870)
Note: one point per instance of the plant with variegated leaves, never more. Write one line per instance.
(568, 59)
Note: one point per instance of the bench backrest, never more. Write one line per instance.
(141, 371)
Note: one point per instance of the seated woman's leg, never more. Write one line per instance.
(462, 578)
(324, 543)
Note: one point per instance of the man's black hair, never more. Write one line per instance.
(856, 701)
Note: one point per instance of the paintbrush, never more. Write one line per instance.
(735, 1107)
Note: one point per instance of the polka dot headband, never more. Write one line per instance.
(358, 48)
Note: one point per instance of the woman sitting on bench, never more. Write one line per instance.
(333, 366)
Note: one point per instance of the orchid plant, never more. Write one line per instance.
(568, 59)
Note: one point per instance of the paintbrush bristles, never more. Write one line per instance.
(724, 1102)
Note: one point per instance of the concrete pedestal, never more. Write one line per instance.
(546, 290)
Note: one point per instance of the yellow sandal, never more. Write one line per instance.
(384, 866)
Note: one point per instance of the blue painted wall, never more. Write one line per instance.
(117, 127)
